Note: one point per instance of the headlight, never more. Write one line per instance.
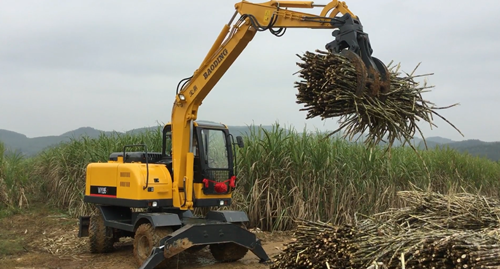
(154, 204)
(221, 202)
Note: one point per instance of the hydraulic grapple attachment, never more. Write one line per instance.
(351, 42)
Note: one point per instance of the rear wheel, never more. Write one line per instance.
(146, 237)
(101, 237)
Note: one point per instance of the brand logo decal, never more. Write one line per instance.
(102, 190)
(215, 63)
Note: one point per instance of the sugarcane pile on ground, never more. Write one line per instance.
(318, 245)
(433, 231)
(327, 89)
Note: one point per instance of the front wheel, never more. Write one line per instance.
(228, 252)
(146, 237)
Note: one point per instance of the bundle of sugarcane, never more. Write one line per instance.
(433, 231)
(328, 89)
(393, 246)
(427, 248)
(317, 245)
(459, 231)
(453, 211)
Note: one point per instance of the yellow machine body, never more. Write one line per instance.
(128, 179)
(116, 179)
(125, 183)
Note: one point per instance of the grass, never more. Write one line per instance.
(15, 181)
(288, 175)
(22, 227)
(10, 245)
(283, 175)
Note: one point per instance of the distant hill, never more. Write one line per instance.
(16, 142)
(88, 131)
(21, 143)
(490, 150)
(29, 146)
(439, 140)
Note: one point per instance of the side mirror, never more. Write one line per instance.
(239, 140)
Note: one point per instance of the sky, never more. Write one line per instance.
(115, 64)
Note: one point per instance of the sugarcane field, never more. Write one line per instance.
(415, 214)
(391, 173)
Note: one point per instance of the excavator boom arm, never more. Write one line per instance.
(273, 16)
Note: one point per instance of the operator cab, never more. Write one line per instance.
(214, 154)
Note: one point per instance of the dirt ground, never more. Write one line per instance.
(47, 240)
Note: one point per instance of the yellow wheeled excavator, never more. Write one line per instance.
(150, 195)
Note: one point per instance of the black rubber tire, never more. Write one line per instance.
(228, 252)
(195, 249)
(146, 237)
(100, 237)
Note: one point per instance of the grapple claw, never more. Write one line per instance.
(385, 76)
(354, 44)
(361, 73)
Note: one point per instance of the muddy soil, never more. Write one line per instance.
(43, 240)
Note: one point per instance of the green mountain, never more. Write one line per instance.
(17, 142)
(439, 140)
(490, 150)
